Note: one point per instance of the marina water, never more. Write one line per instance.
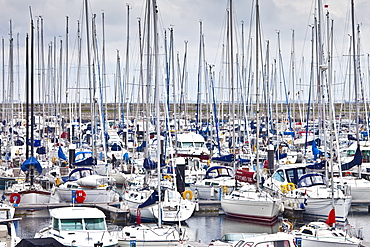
(209, 227)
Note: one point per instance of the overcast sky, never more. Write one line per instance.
(184, 16)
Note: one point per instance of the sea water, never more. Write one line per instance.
(210, 227)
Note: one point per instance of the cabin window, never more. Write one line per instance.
(308, 232)
(279, 176)
(290, 175)
(55, 224)
(278, 243)
(365, 156)
(187, 144)
(94, 224)
(242, 243)
(198, 144)
(71, 224)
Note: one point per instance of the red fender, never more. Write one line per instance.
(80, 196)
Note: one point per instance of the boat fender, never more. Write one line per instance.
(58, 181)
(284, 188)
(281, 207)
(168, 177)
(224, 189)
(290, 186)
(286, 226)
(80, 196)
(15, 198)
(186, 193)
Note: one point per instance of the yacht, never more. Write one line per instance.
(78, 226)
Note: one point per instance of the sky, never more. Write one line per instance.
(277, 19)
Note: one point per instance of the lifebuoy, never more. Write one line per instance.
(15, 198)
(80, 196)
(186, 193)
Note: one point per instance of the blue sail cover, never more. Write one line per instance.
(356, 161)
(90, 161)
(141, 147)
(31, 161)
(316, 165)
(315, 150)
(153, 198)
(224, 158)
(41, 150)
(116, 147)
(280, 156)
(61, 155)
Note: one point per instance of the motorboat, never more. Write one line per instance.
(322, 234)
(275, 239)
(78, 226)
(8, 233)
(191, 144)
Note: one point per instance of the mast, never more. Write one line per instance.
(67, 92)
(257, 100)
(156, 81)
(32, 96)
(355, 79)
(355, 69)
(127, 77)
(90, 80)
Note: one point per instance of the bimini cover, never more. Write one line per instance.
(46, 242)
(31, 161)
(219, 171)
(311, 179)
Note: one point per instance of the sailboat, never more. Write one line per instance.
(154, 234)
(250, 201)
(28, 191)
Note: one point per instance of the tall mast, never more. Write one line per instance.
(355, 69)
(127, 76)
(257, 98)
(89, 77)
(156, 81)
(232, 78)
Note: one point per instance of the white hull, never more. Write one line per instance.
(253, 209)
(206, 192)
(92, 195)
(306, 242)
(149, 235)
(321, 207)
(175, 213)
(31, 197)
(169, 214)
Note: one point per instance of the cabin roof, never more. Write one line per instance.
(76, 213)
